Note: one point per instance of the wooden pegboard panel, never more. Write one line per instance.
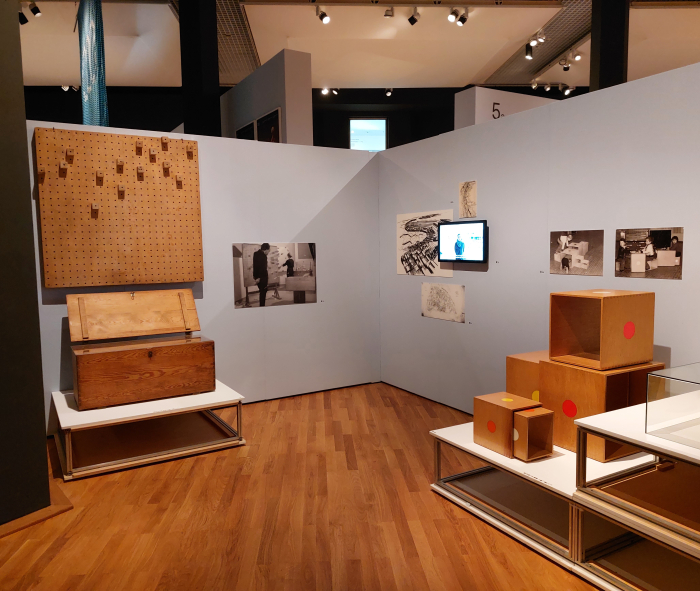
(125, 227)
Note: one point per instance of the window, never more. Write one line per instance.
(368, 134)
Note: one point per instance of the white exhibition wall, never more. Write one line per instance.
(623, 157)
(260, 192)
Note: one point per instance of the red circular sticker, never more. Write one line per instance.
(629, 329)
(569, 408)
(491, 426)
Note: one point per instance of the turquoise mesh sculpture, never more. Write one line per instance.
(92, 63)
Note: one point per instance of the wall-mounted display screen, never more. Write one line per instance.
(463, 242)
(368, 134)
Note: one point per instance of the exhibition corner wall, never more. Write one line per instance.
(623, 157)
(254, 192)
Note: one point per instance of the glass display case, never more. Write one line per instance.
(673, 404)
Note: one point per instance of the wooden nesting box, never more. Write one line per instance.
(523, 374)
(493, 420)
(532, 433)
(601, 329)
(126, 371)
(576, 392)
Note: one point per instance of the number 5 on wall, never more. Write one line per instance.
(496, 113)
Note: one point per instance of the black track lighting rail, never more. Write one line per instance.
(419, 3)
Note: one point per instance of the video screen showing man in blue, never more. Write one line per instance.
(462, 242)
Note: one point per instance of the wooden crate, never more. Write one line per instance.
(110, 374)
(574, 392)
(601, 329)
(493, 420)
(523, 374)
(533, 433)
(118, 209)
(126, 371)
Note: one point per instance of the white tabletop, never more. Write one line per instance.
(627, 424)
(556, 473)
(70, 417)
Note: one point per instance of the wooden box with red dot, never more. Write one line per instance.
(523, 374)
(493, 420)
(533, 434)
(574, 392)
(601, 329)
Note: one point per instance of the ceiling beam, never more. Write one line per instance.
(423, 3)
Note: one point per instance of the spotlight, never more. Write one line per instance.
(325, 91)
(462, 20)
(547, 87)
(534, 84)
(567, 66)
(23, 20)
(454, 14)
(576, 55)
(528, 52)
(569, 90)
(65, 88)
(533, 41)
(541, 37)
(75, 88)
(34, 9)
(389, 91)
(389, 12)
(334, 91)
(413, 19)
(323, 17)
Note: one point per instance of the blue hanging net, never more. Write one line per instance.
(92, 63)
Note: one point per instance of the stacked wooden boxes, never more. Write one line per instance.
(127, 371)
(601, 350)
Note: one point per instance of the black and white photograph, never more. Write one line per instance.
(274, 274)
(576, 252)
(417, 243)
(442, 301)
(649, 253)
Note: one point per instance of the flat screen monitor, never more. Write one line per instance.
(465, 242)
(368, 134)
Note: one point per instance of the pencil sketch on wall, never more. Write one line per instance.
(467, 199)
(417, 243)
(576, 252)
(443, 301)
(649, 253)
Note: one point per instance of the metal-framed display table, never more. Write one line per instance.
(106, 439)
(535, 503)
(658, 501)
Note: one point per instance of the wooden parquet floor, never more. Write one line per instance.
(331, 492)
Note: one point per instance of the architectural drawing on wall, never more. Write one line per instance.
(649, 253)
(443, 301)
(467, 199)
(576, 252)
(417, 243)
(274, 274)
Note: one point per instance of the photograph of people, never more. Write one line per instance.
(577, 252)
(289, 263)
(459, 247)
(260, 270)
(649, 253)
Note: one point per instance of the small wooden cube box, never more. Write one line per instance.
(493, 420)
(127, 371)
(601, 329)
(533, 434)
(576, 392)
(523, 374)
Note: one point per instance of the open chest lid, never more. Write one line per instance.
(94, 316)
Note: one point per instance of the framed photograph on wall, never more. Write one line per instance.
(576, 252)
(649, 253)
(267, 127)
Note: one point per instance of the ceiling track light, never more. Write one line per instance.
(534, 84)
(541, 38)
(389, 91)
(569, 90)
(334, 91)
(34, 9)
(453, 16)
(65, 88)
(528, 52)
(325, 91)
(323, 17)
(462, 20)
(413, 19)
(23, 20)
(576, 56)
(533, 41)
(547, 87)
(389, 12)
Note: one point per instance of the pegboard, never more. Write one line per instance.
(118, 209)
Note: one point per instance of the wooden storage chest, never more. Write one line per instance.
(127, 371)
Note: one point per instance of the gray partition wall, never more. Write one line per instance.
(623, 157)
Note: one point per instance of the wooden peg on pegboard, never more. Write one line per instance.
(178, 181)
(70, 155)
(152, 154)
(120, 166)
(63, 169)
(166, 168)
(164, 141)
(99, 178)
(41, 173)
(139, 147)
(139, 173)
(190, 151)
(121, 191)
